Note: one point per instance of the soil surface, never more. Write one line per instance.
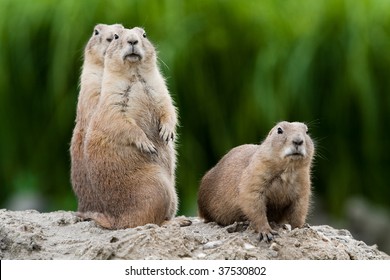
(61, 235)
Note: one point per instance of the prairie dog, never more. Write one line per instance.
(270, 181)
(130, 144)
(90, 84)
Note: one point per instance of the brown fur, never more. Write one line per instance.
(130, 139)
(261, 182)
(90, 84)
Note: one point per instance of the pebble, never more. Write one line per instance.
(212, 244)
(248, 246)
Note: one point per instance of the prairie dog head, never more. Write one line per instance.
(131, 49)
(102, 36)
(290, 141)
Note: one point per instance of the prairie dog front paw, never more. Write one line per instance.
(166, 131)
(146, 147)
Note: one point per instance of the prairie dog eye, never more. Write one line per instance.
(116, 36)
(280, 130)
(144, 35)
(96, 32)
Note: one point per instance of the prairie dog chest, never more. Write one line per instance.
(284, 188)
(136, 98)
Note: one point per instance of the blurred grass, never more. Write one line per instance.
(234, 69)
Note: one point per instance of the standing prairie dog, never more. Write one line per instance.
(130, 145)
(261, 183)
(90, 84)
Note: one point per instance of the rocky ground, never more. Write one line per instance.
(61, 235)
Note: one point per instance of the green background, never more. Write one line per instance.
(234, 69)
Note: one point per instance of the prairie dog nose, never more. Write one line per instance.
(133, 42)
(297, 141)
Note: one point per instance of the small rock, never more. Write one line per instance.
(272, 254)
(274, 246)
(148, 226)
(248, 246)
(297, 244)
(201, 255)
(34, 246)
(113, 239)
(287, 227)
(27, 228)
(323, 237)
(212, 244)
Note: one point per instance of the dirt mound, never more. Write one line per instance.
(61, 235)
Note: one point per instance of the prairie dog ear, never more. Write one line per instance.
(306, 129)
(118, 26)
(99, 25)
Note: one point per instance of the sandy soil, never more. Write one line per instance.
(61, 235)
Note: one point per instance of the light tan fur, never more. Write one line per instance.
(130, 142)
(90, 84)
(261, 183)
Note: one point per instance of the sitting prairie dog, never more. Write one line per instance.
(261, 183)
(90, 84)
(130, 147)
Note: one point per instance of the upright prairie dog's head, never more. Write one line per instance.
(132, 48)
(102, 36)
(290, 141)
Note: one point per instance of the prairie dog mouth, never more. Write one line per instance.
(294, 152)
(133, 57)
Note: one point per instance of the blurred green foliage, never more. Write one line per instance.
(234, 68)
